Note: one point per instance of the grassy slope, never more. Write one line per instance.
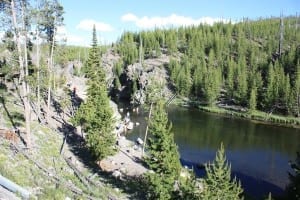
(47, 143)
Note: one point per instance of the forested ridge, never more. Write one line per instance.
(252, 63)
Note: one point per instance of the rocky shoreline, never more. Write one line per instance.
(128, 159)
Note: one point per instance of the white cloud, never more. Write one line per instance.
(129, 17)
(87, 25)
(76, 40)
(62, 35)
(171, 20)
(61, 30)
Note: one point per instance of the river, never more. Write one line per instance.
(259, 153)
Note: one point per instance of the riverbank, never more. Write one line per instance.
(256, 116)
(198, 134)
(126, 162)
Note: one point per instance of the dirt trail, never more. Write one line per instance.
(127, 161)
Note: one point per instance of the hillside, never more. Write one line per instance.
(252, 64)
(249, 67)
(58, 166)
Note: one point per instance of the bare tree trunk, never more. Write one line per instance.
(49, 91)
(23, 72)
(38, 74)
(50, 69)
(146, 130)
(27, 87)
(141, 51)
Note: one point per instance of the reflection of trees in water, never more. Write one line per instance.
(199, 129)
(293, 189)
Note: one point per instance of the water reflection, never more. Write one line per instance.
(259, 153)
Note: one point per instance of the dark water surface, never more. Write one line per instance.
(259, 154)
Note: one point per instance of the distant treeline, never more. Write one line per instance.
(254, 64)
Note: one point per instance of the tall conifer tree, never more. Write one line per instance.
(218, 183)
(95, 115)
(252, 101)
(163, 156)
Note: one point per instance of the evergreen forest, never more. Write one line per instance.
(252, 63)
(60, 128)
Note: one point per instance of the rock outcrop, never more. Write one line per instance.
(109, 58)
(151, 73)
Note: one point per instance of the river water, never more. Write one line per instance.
(259, 154)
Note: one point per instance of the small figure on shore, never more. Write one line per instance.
(136, 110)
(126, 120)
(74, 91)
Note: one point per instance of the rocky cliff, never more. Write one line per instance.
(138, 81)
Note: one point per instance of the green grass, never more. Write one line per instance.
(24, 172)
(46, 147)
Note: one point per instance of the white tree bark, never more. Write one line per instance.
(50, 70)
(38, 74)
(23, 67)
(145, 139)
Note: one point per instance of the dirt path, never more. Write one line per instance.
(127, 161)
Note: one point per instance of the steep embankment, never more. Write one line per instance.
(58, 165)
(138, 80)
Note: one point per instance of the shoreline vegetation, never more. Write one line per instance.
(255, 116)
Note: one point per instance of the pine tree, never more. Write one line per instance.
(163, 156)
(252, 101)
(270, 88)
(190, 187)
(94, 56)
(117, 71)
(297, 90)
(128, 48)
(230, 78)
(287, 93)
(197, 80)
(241, 52)
(100, 138)
(242, 84)
(212, 80)
(212, 84)
(184, 82)
(218, 182)
(171, 41)
(95, 115)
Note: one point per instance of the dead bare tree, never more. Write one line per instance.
(20, 33)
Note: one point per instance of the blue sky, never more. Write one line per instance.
(116, 16)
